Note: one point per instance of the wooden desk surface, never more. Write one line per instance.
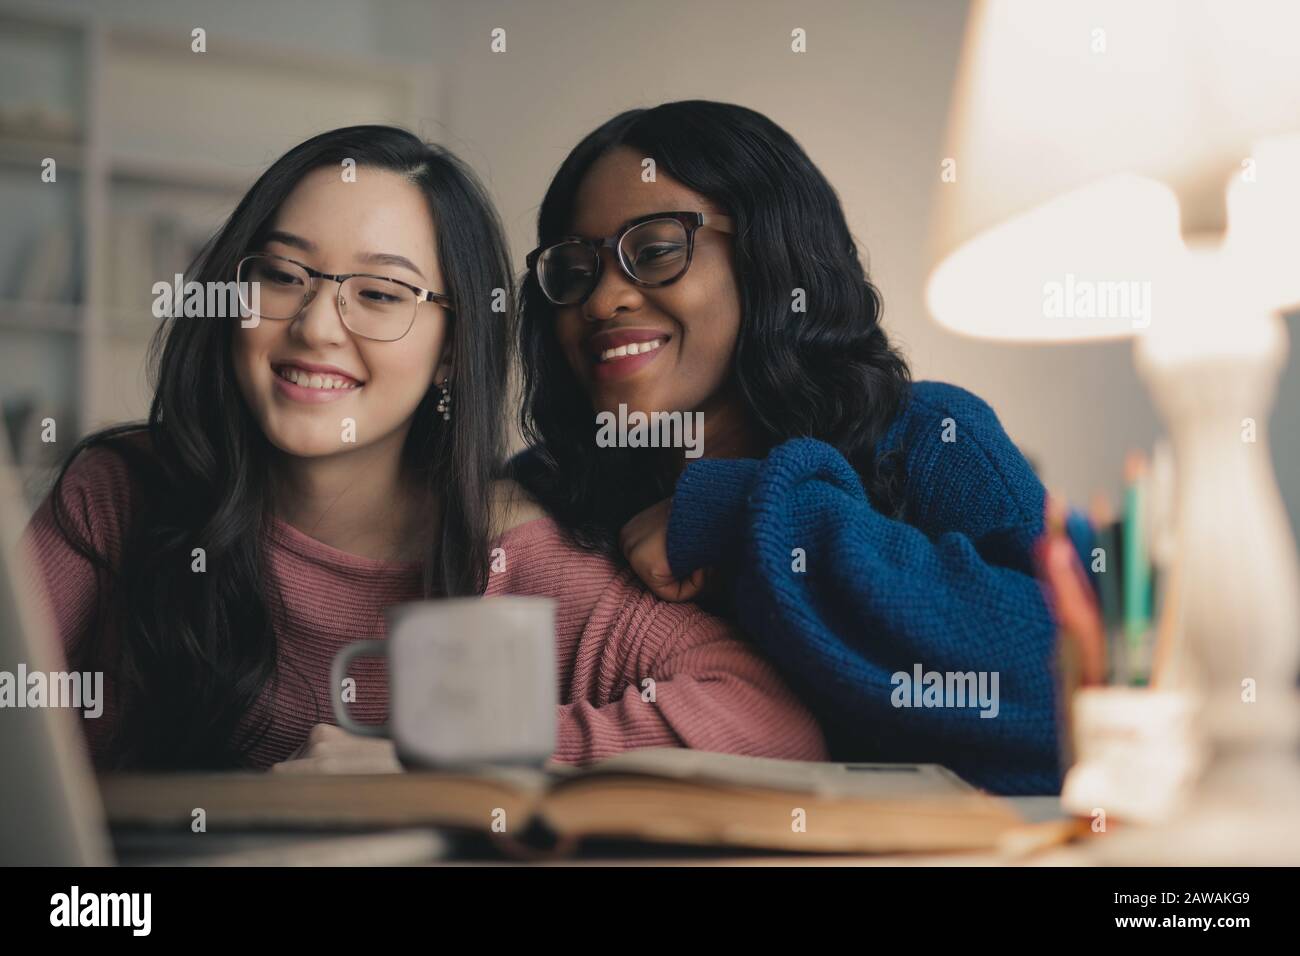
(426, 847)
(1033, 809)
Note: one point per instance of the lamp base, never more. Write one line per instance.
(1237, 611)
(1243, 812)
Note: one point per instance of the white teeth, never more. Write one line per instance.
(314, 380)
(632, 348)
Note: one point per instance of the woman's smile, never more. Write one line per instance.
(618, 353)
(302, 382)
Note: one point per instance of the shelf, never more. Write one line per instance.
(42, 73)
(29, 151)
(190, 174)
(62, 317)
(250, 54)
(131, 325)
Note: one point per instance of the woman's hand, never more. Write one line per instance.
(330, 749)
(644, 540)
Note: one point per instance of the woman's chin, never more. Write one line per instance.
(313, 443)
(644, 400)
(631, 399)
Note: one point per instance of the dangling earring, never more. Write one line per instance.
(444, 403)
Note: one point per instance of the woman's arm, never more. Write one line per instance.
(653, 674)
(96, 500)
(644, 673)
(684, 681)
(843, 599)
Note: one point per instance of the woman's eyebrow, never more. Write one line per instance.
(391, 259)
(379, 258)
(289, 239)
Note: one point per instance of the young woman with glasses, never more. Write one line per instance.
(331, 452)
(857, 526)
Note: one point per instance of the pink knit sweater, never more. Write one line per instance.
(712, 692)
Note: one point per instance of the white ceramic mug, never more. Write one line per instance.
(471, 680)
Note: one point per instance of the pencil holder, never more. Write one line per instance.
(1137, 752)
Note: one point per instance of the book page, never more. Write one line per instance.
(869, 781)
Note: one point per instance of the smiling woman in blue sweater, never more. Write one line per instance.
(871, 535)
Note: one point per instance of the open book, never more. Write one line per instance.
(655, 795)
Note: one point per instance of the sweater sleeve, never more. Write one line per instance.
(655, 674)
(708, 512)
(853, 606)
(96, 498)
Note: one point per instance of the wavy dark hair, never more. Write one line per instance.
(829, 373)
(194, 651)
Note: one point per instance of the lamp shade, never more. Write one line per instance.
(1088, 139)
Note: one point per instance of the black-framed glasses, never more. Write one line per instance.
(652, 251)
(373, 307)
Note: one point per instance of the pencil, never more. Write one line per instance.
(1137, 570)
(1072, 596)
(1109, 577)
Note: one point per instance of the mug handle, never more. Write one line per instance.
(339, 670)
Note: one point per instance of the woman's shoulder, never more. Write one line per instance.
(954, 413)
(934, 417)
(520, 524)
(956, 439)
(928, 402)
(109, 468)
(532, 553)
(512, 507)
(100, 488)
(88, 513)
(518, 520)
(933, 396)
(929, 415)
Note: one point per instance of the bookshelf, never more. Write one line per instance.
(153, 144)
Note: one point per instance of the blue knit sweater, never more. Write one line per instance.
(948, 591)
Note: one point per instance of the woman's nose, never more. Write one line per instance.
(614, 293)
(320, 320)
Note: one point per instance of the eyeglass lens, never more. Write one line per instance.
(654, 253)
(369, 306)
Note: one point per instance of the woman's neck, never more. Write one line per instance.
(361, 502)
(728, 431)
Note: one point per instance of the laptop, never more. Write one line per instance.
(50, 809)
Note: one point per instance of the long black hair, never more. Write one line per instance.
(829, 373)
(194, 651)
